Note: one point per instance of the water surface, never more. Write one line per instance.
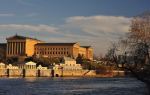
(71, 86)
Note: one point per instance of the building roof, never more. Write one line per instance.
(20, 37)
(30, 63)
(2, 63)
(55, 44)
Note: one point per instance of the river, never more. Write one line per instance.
(71, 86)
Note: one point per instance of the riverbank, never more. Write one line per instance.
(56, 73)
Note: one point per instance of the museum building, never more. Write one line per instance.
(18, 46)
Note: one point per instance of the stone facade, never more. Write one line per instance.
(63, 49)
(30, 70)
(20, 46)
(72, 73)
(69, 64)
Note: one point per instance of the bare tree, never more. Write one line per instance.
(133, 51)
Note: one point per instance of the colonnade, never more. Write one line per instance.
(15, 48)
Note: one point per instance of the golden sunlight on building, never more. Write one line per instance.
(63, 49)
(20, 46)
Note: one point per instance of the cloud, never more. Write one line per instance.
(98, 31)
(34, 28)
(96, 25)
(6, 15)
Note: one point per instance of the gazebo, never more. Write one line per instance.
(30, 65)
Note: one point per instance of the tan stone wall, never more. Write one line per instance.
(75, 50)
(89, 53)
(45, 73)
(3, 72)
(53, 51)
(118, 73)
(31, 73)
(29, 50)
(80, 73)
(15, 72)
(25, 73)
(82, 51)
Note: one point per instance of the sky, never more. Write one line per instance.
(90, 22)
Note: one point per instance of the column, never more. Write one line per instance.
(12, 48)
(17, 48)
(20, 48)
(7, 48)
(23, 48)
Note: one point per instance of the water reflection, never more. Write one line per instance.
(30, 79)
(71, 86)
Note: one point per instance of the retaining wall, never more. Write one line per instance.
(14, 72)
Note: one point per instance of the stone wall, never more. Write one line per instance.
(119, 73)
(30, 73)
(25, 73)
(74, 73)
(14, 72)
(3, 72)
(45, 73)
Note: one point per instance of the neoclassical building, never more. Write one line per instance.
(63, 49)
(18, 46)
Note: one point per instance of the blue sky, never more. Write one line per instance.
(90, 22)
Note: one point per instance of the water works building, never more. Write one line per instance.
(20, 46)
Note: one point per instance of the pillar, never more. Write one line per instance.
(20, 48)
(17, 48)
(8, 48)
(13, 48)
(23, 48)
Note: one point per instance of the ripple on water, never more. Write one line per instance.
(71, 86)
